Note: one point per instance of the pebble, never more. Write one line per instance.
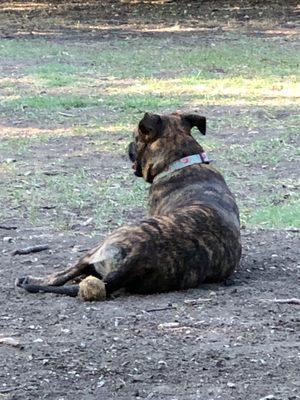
(231, 384)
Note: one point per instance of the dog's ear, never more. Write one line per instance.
(196, 120)
(150, 126)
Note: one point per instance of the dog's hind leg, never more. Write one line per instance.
(96, 263)
(82, 267)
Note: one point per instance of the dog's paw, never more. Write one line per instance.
(19, 282)
(28, 283)
(22, 281)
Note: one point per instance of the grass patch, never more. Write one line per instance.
(53, 75)
(18, 145)
(123, 103)
(221, 90)
(73, 198)
(120, 198)
(26, 50)
(58, 79)
(239, 57)
(243, 57)
(111, 145)
(134, 78)
(52, 103)
(262, 151)
(141, 103)
(276, 216)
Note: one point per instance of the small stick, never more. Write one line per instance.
(161, 309)
(11, 389)
(46, 358)
(193, 302)
(31, 249)
(9, 341)
(51, 173)
(283, 301)
(8, 228)
(66, 115)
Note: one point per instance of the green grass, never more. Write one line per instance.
(247, 71)
(240, 57)
(70, 202)
(52, 103)
(244, 57)
(22, 50)
(52, 75)
(15, 146)
(248, 86)
(262, 152)
(276, 216)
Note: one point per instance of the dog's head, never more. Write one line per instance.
(161, 139)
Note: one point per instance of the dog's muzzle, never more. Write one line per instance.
(136, 166)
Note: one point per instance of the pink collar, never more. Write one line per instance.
(200, 158)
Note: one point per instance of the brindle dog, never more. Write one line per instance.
(191, 236)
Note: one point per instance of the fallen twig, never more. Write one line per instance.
(31, 249)
(52, 173)
(193, 302)
(168, 325)
(161, 309)
(66, 115)
(8, 228)
(11, 389)
(9, 341)
(283, 301)
(48, 207)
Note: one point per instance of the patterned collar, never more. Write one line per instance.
(200, 158)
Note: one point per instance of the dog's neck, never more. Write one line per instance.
(200, 158)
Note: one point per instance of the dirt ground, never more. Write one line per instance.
(104, 20)
(228, 341)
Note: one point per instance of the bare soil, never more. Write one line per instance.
(110, 19)
(216, 342)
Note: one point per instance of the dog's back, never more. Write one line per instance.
(206, 211)
(199, 184)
